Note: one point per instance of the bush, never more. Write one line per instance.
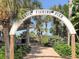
(21, 51)
(77, 50)
(18, 54)
(54, 40)
(63, 49)
(44, 40)
(2, 52)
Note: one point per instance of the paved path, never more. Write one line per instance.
(38, 52)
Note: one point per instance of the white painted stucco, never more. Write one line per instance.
(56, 14)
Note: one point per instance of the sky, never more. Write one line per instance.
(49, 3)
(46, 4)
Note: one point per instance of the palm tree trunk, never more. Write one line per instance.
(27, 37)
(6, 38)
(70, 14)
(70, 8)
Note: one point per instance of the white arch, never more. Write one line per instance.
(56, 14)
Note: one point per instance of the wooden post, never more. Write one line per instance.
(6, 39)
(73, 46)
(11, 46)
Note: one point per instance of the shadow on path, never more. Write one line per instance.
(38, 52)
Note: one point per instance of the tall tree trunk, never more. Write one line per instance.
(70, 14)
(6, 38)
(27, 37)
(70, 9)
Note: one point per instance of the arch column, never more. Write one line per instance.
(11, 46)
(73, 46)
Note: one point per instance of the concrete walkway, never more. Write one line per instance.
(38, 52)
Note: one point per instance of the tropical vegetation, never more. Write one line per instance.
(56, 36)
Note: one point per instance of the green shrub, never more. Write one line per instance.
(44, 40)
(2, 52)
(63, 49)
(21, 51)
(77, 49)
(18, 53)
(55, 39)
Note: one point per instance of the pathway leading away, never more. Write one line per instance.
(38, 52)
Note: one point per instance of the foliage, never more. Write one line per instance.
(44, 40)
(56, 39)
(21, 50)
(65, 10)
(21, 12)
(58, 27)
(75, 15)
(2, 52)
(63, 49)
(32, 34)
(77, 50)
(52, 40)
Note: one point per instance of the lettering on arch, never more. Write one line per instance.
(42, 11)
(58, 14)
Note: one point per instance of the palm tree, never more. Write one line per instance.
(4, 18)
(55, 21)
(46, 20)
(59, 28)
(8, 10)
(37, 5)
(31, 6)
(75, 16)
(38, 27)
